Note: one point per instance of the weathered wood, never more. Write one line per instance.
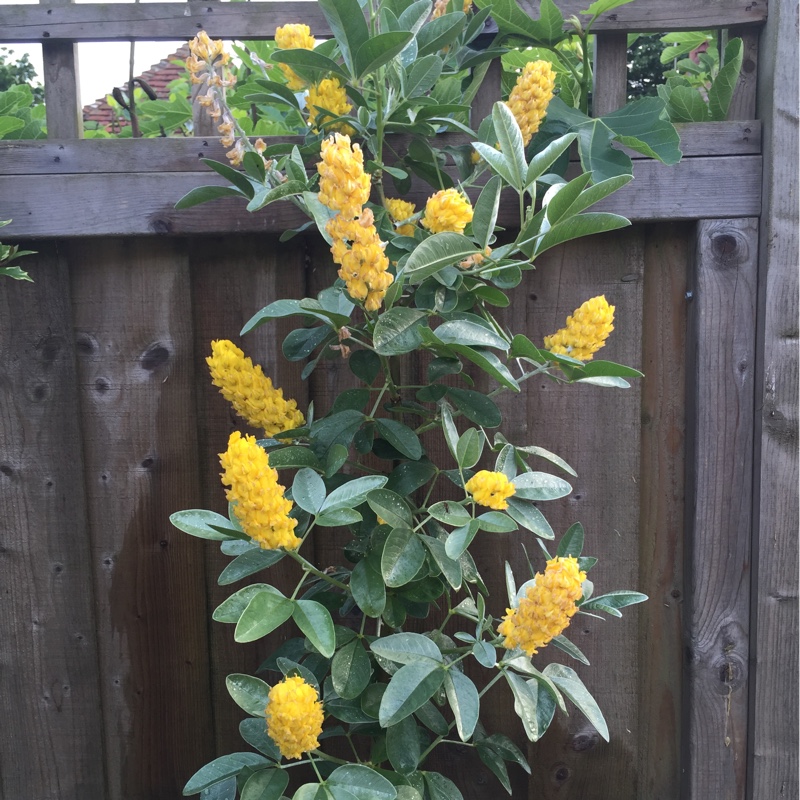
(52, 746)
(610, 73)
(157, 21)
(661, 528)
(53, 157)
(719, 456)
(743, 102)
(773, 771)
(143, 203)
(61, 85)
(134, 333)
(572, 761)
(488, 94)
(231, 280)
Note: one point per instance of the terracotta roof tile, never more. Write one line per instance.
(158, 77)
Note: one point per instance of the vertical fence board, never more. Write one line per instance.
(719, 502)
(133, 322)
(743, 102)
(662, 510)
(774, 719)
(231, 280)
(61, 82)
(52, 743)
(597, 431)
(610, 73)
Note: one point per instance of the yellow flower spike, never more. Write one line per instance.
(399, 210)
(447, 210)
(260, 505)
(547, 607)
(294, 717)
(343, 186)
(531, 95)
(293, 37)
(490, 489)
(330, 95)
(249, 391)
(586, 331)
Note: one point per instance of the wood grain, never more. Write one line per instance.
(720, 370)
(157, 21)
(774, 720)
(610, 73)
(61, 81)
(52, 744)
(743, 102)
(134, 337)
(231, 280)
(143, 203)
(597, 431)
(65, 156)
(661, 521)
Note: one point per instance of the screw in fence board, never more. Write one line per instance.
(232, 278)
(51, 745)
(61, 86)
(720, 384)
(131, 303)
(610, 72)
(597, 431)
(661, 520)
(774, 720)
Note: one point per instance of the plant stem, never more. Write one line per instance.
(308, 567)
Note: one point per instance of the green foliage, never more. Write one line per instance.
(18, 72)
(701, 86)
(9, 253)
(392, 685)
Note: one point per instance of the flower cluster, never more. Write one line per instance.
(293, 37)
(531, 95)
(249, 391)
(401, 210)
(330, 96)
(547, 607)
(357, 248)
(294, 717)
(260, 505)
(447, 210)
(490, 489)
(440, 8)
(206, 58)
(586, 332)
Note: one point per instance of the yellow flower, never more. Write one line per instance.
(249, 391)
(330, 95)
(399, 210)
(531, 95)
(294, 717)
(260, 505)
(364, 266)
(439, 8)
(490, 489)
(547, 607)
(343, 186)
(447, 210)
(586, 332)
(293, 37)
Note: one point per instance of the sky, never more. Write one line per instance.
(101, 65)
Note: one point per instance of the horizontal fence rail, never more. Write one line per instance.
(97, 22)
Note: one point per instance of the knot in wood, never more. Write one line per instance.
(584, 741)
(728, 250)
(155, 356)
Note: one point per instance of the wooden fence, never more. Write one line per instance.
(112, 673)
